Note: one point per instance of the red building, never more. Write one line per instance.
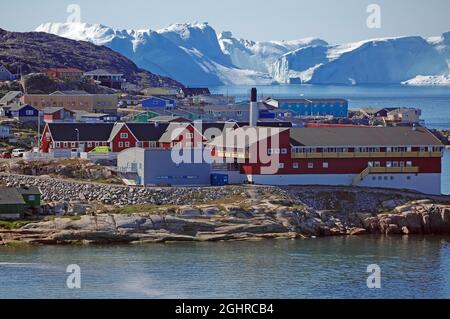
(58, 114)
(65, 74)
(391, 157)
(84, 137)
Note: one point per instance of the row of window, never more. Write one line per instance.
(385, 177)
(271, 151)
(391, 164)
(399, 149)
(297, 165)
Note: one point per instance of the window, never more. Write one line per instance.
(31, 197)
(29, 112)
(66, 144)
(370, 164)
(310, 165)
(388, 164)
(89, 144)
(377, 164)
(189, 135)
(280, 165)
(325, 164)
(408, 164)
(283, 151)
(295, 165)
(394, 164)
(152, 144)
(73, 144)
(123, 135)
(120, 144)
(127, 144)
(57, 144)
(97, 144)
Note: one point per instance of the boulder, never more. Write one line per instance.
(414, 222)
(393, 229)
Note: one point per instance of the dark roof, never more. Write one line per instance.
(148, 131)
(18, 107)
(195, 91)
(88, 131)
(10, 196)
(53, 109)
(218, 125)
(362, 136)
(29, 190)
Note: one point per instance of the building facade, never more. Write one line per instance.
(157, 167)
(74, 100)
(113, 80)
(311, 107)
(64, 74)
(392, 157)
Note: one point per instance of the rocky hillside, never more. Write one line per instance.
(35, 51)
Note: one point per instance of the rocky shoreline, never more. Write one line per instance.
(149, 215)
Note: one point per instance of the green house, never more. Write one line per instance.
(12, 204)
(31, 196)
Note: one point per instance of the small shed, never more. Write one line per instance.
(12, 204)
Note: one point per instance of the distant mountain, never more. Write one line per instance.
(380, 61)
(33, 52)
(195, 55)
(189, 53)
(261, 56)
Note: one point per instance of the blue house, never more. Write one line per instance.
(24, 113)
(312, 107)
(157, 101)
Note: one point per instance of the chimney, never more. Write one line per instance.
(254, 110)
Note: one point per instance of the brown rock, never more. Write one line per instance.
(357, 231)
(393, 229)
(414, 222)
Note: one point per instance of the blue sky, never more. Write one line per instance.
(336, 21)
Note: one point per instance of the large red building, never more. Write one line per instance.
(385, 157)
(85, 137)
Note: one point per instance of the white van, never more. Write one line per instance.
(18, 152)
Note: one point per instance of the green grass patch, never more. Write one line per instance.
(13, 224)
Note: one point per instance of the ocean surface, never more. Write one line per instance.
(411, 267)
(433, 101)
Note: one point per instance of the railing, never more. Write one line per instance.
(366, 155)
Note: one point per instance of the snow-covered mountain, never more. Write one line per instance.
(380, 61)
(189, 53)
(260, 56)
(194, 55)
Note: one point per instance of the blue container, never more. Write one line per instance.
(219, 179)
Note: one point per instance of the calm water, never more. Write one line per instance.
(413, 267)
(434, 101)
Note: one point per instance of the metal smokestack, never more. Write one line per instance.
(254, 111)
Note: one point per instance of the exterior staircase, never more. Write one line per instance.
(358, 178)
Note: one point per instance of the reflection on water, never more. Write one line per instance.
(416, 267)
